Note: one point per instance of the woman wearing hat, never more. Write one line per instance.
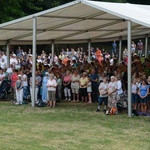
(19, 91)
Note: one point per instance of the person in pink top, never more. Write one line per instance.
(67, 85)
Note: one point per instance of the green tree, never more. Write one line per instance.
(8, 13)
(12, 9)
(146, 2)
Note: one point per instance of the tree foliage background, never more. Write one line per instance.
(13, 9)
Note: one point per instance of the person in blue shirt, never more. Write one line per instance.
(94, 80)
(148, 97)
(143, 92)
(114, 47)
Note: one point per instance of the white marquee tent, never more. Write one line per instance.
(79, 21)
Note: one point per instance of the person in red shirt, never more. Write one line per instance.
(14, 78)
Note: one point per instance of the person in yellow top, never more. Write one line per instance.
(83, 86)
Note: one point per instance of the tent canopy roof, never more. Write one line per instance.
(79, 21)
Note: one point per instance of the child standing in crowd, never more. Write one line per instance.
(134, 94)
(19, 91)
(51, 85)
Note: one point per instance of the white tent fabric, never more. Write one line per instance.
(79, 21)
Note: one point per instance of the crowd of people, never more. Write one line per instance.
(74, 77)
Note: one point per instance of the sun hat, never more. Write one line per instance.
(19, 75)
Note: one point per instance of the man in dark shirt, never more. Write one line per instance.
(114, 47)
(94, 79)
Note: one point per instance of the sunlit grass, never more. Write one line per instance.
(70, 127)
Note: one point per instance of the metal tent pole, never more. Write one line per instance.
(146, 45)
(120, 49)
(89, 51)
(129, 68)
(53, 46)
(34, 61)
(8, 55)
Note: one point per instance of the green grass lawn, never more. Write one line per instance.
(70, 127)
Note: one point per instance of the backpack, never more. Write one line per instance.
(40, 103)
(135, 113)
(120, 106)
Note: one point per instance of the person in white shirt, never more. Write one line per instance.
(103, 94)
(39, 60)
(133, 47)
(119, 88)
(2, 76)
(24, 84)
(4, 57)
(3, 64)
(10, 69)
(51, 85)
(13, 60)
(111, 62)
